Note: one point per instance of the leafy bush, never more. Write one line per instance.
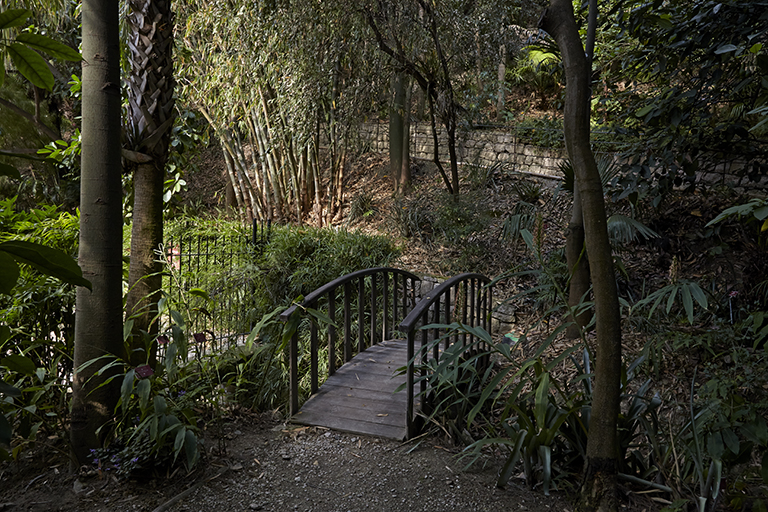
(299, 260)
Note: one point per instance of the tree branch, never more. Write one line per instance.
(42, 128)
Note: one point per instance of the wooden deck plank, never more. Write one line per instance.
(360, 397)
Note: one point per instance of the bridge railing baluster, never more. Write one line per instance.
(395, 287)
(445, 302)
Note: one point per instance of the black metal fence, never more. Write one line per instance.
(210, 280)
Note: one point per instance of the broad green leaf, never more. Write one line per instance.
(14, 18)
(731, 440)
(178, 443)
(160, 405)
(542, 400)
(644, 111)
(545, 454)
(9, 273)
(143, 388)
(19, 364)
(761, 213)
(49, 46)
(5, 169)
(47, 260)
(31, 65)
(8, 390)
(715, 446)
(126, 389)
(190, 447)
(178, 318)
(726, 48)
(127, 328)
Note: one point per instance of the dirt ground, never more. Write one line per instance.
(271, 466)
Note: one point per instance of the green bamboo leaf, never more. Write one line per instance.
(31, 65)
(8, 390)
(699, 295)
(685, 293)
(14, 18)
(9, 273)
(46, 44)
(671, 299)
(199, 292)
(19, 364)
(322, 317)
(47, 260)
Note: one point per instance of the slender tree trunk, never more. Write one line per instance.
(396, 111)
(405, 170)
(575, 255)
(501, 99)
(599, 491)
(578, 266)
(99, 313)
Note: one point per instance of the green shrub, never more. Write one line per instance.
(300, 259)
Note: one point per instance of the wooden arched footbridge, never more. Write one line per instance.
(352, 379)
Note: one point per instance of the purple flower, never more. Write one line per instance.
(733, 294)
(162, 339)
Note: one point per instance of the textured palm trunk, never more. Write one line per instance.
(98, 317)
(145, 281)
(599, 491)
(150, 120)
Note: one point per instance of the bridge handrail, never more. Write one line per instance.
(346, 282)
(475, 311)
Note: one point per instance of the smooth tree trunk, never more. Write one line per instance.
(404, 181)
(575, 254)
(98, 314)
(396, 128)
(600, 488)
(578, 266)
(501, 94)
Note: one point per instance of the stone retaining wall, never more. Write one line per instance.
(484, 147)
